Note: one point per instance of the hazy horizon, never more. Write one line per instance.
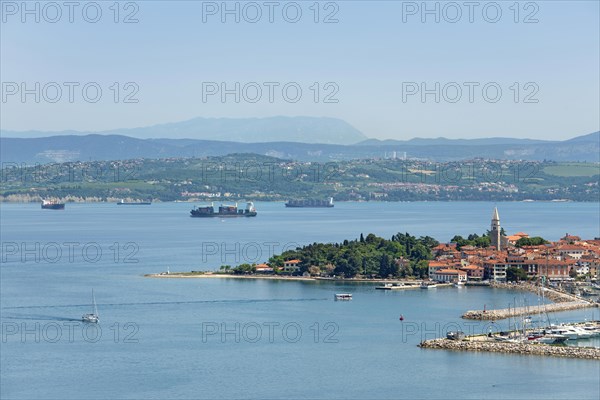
(390, 69)
(7, 133)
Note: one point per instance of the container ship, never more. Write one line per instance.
(311, 203)
(52, 205)
(224, 211)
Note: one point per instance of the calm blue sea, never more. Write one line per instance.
(227, 338)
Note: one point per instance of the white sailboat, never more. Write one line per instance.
(93, 317)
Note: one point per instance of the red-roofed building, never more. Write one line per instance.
(474, 272)
(450, 275)
(263, 268)
(291, 265)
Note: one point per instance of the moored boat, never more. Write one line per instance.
(427, 285)
(551, 338)
(455, 335)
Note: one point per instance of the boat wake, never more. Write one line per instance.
(154, 303)
(35, 317)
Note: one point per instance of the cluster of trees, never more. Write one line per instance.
(530, 241)
(472, 240)
(516, 274)
(242, 269)
(401, 256)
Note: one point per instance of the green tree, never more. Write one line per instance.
(384, 266)
(530, 241)
(516, 274)
(573, 273)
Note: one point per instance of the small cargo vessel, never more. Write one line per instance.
(310, 203)
(52, 205)
(224, 211)
(133, 203)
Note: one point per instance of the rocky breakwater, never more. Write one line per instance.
(512, 312)
(538, 349)
(562, 302)
(554, 295)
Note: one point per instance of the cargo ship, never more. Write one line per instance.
(133, 203)
(224, 211)
(52, 205)
(311, 203)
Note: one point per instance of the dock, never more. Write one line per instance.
(404, 286)
(397, 287)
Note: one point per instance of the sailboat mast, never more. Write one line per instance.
(94, 301)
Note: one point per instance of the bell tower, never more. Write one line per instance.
(495, 231)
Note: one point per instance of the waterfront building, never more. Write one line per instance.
(291, 265)
(450, 275)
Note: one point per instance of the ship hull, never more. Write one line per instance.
(53, 206)
(315, 206)
(310, 203)
(217, 215)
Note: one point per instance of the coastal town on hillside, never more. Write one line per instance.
(566, 259)
(489, 259)
(570, 257)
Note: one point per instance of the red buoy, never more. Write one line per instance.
(401, 318)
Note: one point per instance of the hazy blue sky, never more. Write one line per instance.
(372, 54)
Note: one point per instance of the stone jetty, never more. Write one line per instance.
(554, 295)
(512, 312)
(562, 302)
(538, 349)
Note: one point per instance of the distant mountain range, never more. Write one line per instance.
(242, 130)
(117, 147)
(299, 138)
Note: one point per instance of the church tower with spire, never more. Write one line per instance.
(495, 236)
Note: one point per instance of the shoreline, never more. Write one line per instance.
(209, 275)
(90, 201)
(189, 275)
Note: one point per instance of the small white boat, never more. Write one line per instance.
(425, 285)
(459, 284)
(343, 296)
(571, 332)
(551, 338)
(93, 317)
(591, 329)
(455, 335)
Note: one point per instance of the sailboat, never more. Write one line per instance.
(93, 317)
